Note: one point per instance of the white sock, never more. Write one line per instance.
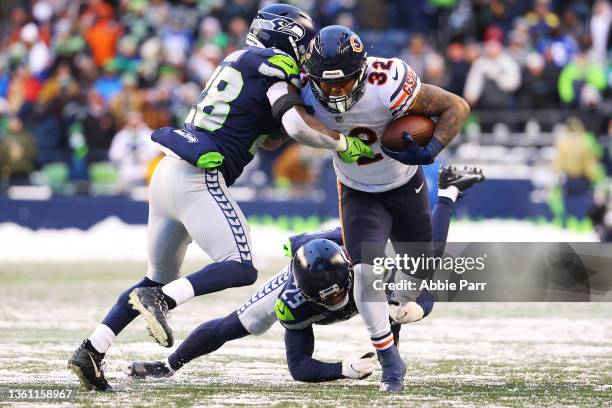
(102, 338)
(374, 312)
(179, 290)
(167, 363)
(451, 192)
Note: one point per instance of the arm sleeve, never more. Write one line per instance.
(299, 345)
(297, 128)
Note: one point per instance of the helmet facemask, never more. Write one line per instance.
(328, 298)
(340, 104)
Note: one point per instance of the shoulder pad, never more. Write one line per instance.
(278, 65)
(401, 87)
(294, 319)
(283, 312)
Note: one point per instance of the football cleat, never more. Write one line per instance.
(460, 178)
(144, 369)
(150, 303)
(393, 370)
(88, 367)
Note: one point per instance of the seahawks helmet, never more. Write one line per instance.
(336, 54)
(323, 273)
(284, 27)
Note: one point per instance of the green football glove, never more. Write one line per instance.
(355, 149)
(210, 160)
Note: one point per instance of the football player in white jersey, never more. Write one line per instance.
(384, 197)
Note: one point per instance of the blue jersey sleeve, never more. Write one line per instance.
(275, 65)
(296, 241)
(299, 346)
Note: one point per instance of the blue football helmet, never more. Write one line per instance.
(323, 273)
(284, 27)
(336, 54)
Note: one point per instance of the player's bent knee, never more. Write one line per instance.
(256, 328)
(246, 273)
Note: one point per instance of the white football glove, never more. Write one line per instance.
(406, 312)
(359, 367)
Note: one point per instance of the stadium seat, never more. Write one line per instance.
(104, 178)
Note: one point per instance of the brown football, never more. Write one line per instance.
(421, 128)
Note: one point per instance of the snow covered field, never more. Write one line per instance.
(112, 240)
(56, 285)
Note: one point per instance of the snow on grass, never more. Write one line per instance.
(113, 240)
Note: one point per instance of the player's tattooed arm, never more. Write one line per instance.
(451, 110)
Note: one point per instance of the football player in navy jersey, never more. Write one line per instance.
(315, 288)
(250, 95)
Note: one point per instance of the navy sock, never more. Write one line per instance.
(440, 221)
(222, 275)
(122, 314)
(207, 338)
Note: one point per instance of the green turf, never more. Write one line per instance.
(553, 354)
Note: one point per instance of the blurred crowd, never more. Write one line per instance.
(81, 81)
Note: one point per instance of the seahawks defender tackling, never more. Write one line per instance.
(383, 197)
(249, 95)
(315, 288)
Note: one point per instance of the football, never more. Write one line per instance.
(421, 128)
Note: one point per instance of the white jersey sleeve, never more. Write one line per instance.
(401, 86)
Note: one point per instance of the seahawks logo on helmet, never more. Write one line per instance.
(280, 24)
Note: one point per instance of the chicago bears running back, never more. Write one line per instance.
(302, 295)
(385, 196)
(250, 94)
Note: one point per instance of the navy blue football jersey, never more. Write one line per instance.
(296, 241)
(296, 313)
(233, 115)
(292, 308)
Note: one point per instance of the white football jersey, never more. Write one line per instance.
(391, 88)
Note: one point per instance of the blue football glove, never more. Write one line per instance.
(414, 153)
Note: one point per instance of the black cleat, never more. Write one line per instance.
(144, 369)
(460, 178)
(87, 365)
(150, 303)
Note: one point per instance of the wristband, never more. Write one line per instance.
(342, 144)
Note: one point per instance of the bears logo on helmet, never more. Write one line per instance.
(356, 43)
(336, 54)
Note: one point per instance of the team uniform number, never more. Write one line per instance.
(213, 106)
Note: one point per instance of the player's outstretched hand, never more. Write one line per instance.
(355, 148)
(359, 368)
(414, 153)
